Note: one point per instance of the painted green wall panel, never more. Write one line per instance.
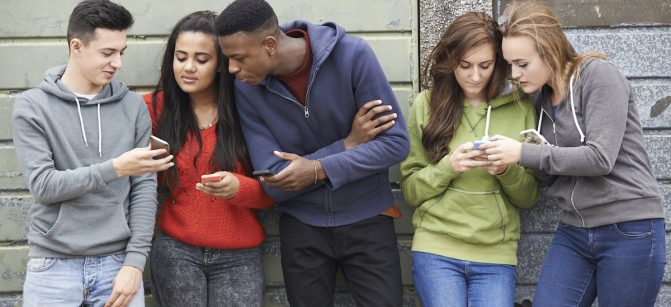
(22, 19)
(141, 62)
(13, 261)
(6, 105)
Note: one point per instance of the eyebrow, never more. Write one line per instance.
(483, 62)
(113, 49)
(199, 53)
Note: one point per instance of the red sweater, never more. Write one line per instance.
(200, 219)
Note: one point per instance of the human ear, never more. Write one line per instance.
(270, 45)
(76, 45)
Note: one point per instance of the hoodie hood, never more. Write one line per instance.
(323, 38)
(112, 92)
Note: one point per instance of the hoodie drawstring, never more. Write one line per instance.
(81, 124)
(100, 135)
(489, 111)
(575, 118)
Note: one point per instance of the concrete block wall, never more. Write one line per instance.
(636, 36)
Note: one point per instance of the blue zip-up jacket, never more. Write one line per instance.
(345, 74)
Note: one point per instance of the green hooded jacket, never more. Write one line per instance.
(471, 216)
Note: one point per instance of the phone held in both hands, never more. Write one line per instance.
(263, 172)
(157, 143)
(532, 136)
(477, 143)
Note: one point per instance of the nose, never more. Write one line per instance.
(116, 62)
(515, 72)
(476, 75)
(233, 66)
(189, 66)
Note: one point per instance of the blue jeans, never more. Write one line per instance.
(73, 282)
(622, 264)
(187, 275)
(442, 281)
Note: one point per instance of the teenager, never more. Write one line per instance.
(609, 243)
(300, 91)
(82, 140)
(464, 249)
(207, 252)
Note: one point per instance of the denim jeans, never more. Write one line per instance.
(443, 281)
(73, 282)
(187, 275)
(622, 264)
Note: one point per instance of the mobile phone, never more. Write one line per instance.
(210, 178)
(263, 172)
(477, 143)
(532, 136)
(157, 143)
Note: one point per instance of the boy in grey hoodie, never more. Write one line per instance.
(81, 138)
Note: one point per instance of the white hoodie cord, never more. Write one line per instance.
(575, 118)
(81, 122)
(100, 135)
(489, 111)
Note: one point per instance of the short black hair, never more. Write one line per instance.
(90, 15)
(251, 16)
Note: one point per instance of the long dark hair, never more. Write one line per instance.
(469, 30)
(177, 118)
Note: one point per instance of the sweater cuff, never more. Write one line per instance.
(445, 169)
(511, 176)
(107, 171)
(135, 260)
(531, 155)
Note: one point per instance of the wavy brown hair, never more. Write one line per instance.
(538, 21)
(446, 102)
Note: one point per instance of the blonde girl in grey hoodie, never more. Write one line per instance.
(609, 243)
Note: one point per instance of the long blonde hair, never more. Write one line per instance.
(538, 21)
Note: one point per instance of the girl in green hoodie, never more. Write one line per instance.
(467, 221)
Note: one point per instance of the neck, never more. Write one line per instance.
(75, 82)
(291, 53)
(555, 98)
(205, 99)
(475, 100)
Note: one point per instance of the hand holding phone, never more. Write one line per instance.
(263, 172)
(157, 143)
(210, 178)
(532, 136)
(477, 143)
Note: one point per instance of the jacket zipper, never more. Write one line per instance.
(554, 131)
(306, 112)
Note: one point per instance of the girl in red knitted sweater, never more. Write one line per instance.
(206, 252)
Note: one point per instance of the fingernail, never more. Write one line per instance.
(395, 115)
(389, 107)
(393, 122)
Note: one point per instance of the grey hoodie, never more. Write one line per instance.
(65, 145)
(602, 171)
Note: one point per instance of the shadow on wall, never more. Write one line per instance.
(660, 106)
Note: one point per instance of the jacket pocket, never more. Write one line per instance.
(474, 217)
(84, 228)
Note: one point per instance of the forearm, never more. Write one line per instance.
(142, 212)
(250, 194)
(422, 181)
(520, 186)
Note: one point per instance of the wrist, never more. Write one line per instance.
(117, 170)
(348, 143)
(321, 174)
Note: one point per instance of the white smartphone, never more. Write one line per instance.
(532, 136)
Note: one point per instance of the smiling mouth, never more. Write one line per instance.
(189, 79)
